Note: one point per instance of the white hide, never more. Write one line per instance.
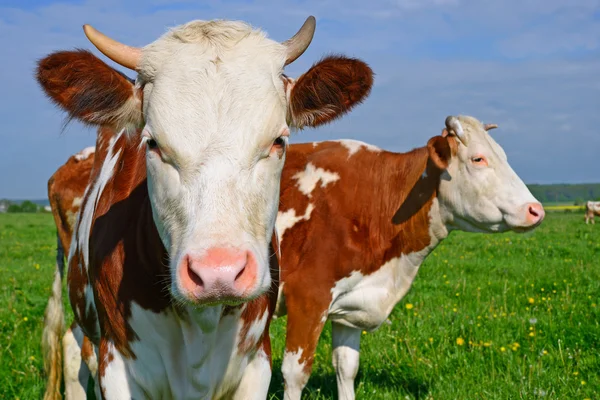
(85, 153)
(294, 375)
(308, 179)
(287, 219)
(86, 216)
(256, 379)
(345, 358)
(594, 206)
(76, 374)
(354, 146)
(114, 383)
(365, 301)
(185, 355)
(77, 202)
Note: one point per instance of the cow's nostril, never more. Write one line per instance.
(194, 277)
(240, 273)
(533, 212)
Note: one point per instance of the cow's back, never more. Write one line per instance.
(65, 192)
(335, 195)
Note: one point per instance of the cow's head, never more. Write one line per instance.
(216, 112)
(479, 191)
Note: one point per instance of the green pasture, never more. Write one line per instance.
(489, 317)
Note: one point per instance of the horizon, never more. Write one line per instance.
(532, 67)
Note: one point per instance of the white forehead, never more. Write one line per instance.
(479, 140)
(217, 78)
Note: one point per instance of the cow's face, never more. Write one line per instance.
(216, 112)
(479, 191)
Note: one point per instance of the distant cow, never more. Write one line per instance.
(356, 222)
(172, 276)
(592, 208)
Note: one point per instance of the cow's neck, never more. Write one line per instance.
(416, 223)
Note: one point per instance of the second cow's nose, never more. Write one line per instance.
(535, 213)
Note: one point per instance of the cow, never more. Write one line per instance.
(172, 276)
(355, 223)
(592, 208)
(66, 188)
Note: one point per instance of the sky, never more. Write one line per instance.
(530, 66)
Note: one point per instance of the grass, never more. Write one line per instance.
(489, 317)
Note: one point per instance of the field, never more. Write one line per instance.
(489, 317)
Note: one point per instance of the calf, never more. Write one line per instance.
(171, 276)
(356, 222)
(592, 208)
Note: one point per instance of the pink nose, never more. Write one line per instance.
(219, 273)
(535, 213)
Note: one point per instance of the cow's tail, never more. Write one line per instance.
(54, 326)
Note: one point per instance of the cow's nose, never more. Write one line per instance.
(218, 273)
(535, 213)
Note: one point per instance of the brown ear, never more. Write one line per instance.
(89, 90)
(440, 151)
(328, 90)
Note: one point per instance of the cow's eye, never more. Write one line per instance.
(479, 160)
(278, 147)
(152, 145)
(280, 141)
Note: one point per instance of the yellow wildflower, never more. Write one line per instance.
(460, 341)
(409, 306)
(531, 300)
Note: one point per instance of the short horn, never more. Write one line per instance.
(120, 53)
(297, 44)
(454, 127)
(488, 127)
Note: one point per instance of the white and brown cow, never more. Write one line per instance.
(356, 222)
(169, 265)
(592, 208)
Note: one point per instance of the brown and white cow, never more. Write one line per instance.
(356, 222)
(65, 193)
(169, 265)
(592, 208)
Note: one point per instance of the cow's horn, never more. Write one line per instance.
(489, 127)
(297, 44)
(120, 53)
(454, 126)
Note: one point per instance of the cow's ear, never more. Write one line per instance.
(440, 151)
(89, 90)
(328, 90)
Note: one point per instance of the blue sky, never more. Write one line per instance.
(531, 66)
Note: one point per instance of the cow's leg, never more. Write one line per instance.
(304, 327)
(346, 344)
(257, 375)
(112, 374)
(76, 372)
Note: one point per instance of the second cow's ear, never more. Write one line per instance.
(440, 151)
(328, 90)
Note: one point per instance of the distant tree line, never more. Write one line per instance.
(26, 206)
(576, 194)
